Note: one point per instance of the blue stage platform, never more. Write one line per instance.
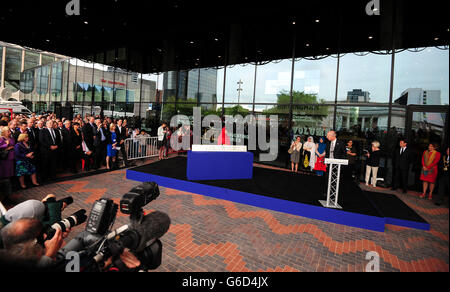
(219, 165)
(171, 174)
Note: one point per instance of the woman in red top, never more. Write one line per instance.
(224, 139)
(430, 160)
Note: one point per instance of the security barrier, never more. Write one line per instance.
(138, 148)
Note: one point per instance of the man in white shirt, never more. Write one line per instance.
(161, 141)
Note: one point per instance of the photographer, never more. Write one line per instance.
(23, 249)
(36, 209)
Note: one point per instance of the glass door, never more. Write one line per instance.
(425, 126)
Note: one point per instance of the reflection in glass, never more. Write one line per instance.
(364, 78)
(239, 84)
(56, 82)
(13, 65)
(27, 81)
(47, 59)
(1, 62)
(272, 79)
(422, 77)
(311, 120)
(316, 77)
(42, 74)
(31, 60)
(208, 85)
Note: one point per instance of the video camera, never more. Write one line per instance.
(97, 244)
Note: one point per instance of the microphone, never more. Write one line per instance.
(152, 226)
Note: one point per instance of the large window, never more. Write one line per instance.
(272, 80)
(240, 84)
(422, 77)
(27, 81)
(46, 59)
(364, 78)
(1, 62)
(13, 64)
(56, 81)
(315, 78)
(31, 60)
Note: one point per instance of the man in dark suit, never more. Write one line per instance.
(48, 147)
(22, 130)
(121, 133)
(33, 134)
(336, 149)
(66, 143)
(402, 161)
(100, 142)
(90, 132)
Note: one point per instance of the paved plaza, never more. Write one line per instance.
(208, 234)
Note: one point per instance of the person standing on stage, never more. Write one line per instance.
(430, 160)
(320, 168)
(295, 148)
(309, 157)
(335, 148)
(352, 157)
(443, 180)
(373, 163)
(162, 130)
(402, 161)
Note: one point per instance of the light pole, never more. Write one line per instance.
(239, 89)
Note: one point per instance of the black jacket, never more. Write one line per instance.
(121, 135)
(98, 139)
(340, 151)
(67, 139)
(89, 132)
(404, 160)
(45, 141)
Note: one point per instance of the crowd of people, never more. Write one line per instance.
(39, 146)
(310, 156)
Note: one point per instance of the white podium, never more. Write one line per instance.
(334, 175)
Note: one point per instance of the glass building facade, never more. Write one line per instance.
(365, 96)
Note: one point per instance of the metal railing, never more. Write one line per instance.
(138, 148)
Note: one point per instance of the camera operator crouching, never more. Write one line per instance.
(32, 242)
(32, 232)
(24, 249)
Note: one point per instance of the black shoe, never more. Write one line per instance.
(438, 203)
(405, 191)
(394, 189)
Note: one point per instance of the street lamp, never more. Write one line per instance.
(239, 89)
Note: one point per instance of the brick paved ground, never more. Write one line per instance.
(208, 234)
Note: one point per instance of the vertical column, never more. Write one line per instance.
(3, 65)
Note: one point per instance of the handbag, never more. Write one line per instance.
(290, 151)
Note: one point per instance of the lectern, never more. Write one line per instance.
(334, 176)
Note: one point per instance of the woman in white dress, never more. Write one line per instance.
(309, 149)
